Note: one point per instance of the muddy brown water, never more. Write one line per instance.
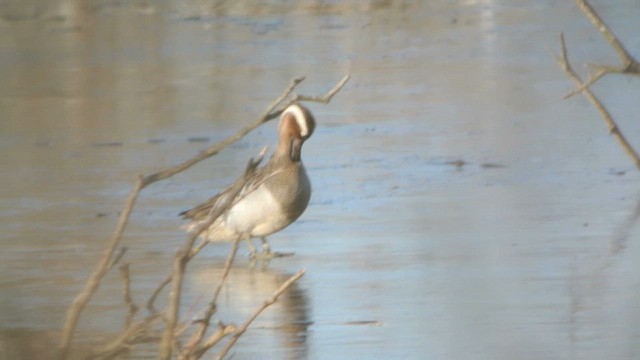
(461, 209)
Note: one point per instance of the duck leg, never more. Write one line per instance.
(252, 249)
(266, 249)
(268, 254)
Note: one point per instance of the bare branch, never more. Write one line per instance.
(116, 259)
(126, 291)
(324, 99)
(214, 149)
(281, 98)
(193, 346)
(179, 264)
(270, 301)
(139, 332)
(563, 62)
(73, 315)
(152, 299)
(107, 261)
(630, 66)
(251, 167)
(185, 254)
(232, 199)
(629, 63)
(592, 79)
(225, 273)
(213, 339)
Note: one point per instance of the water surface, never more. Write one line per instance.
(461, 209)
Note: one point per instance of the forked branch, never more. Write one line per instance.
(185, 254)
(270, 301)
(563, 62)
(107, 261)
(629, 65)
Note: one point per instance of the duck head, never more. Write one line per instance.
(296, 126)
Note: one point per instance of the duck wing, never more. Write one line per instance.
(245, 184)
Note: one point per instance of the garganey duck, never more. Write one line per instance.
(273, 197)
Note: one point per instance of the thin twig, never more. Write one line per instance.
(116, 259)
(279, 99)
(251, 167)
(628, 61)
(225, 273)
(220, 208)
(324, 99)
(139, 332)
(629, 66)
(214, 149)
(193, 346)
(152, 299)
(214, 339)
(107, 260)
(179, 264)
(73, 315)
(270, 301)
(154, 295)
(126, 292)
(592, 79)
(184, 255)
(232, 198)
(563, 62)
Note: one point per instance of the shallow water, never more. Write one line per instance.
(461, 209)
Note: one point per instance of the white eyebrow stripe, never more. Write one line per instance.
(301, 119)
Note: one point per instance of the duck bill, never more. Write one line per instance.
(296, 149)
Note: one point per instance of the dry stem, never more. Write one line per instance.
(194, 349)
(135, 333)
(107, 261)
(185, 254)
(117, 258)
(214, 149)
(126, 291)
(73, 315)
(270, 301)
(563, 62)
(213, 339)
(629, 64)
